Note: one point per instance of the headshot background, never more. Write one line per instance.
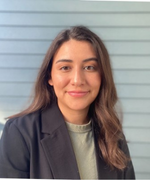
(27, 28)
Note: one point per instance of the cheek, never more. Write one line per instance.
(95, 81)
(59, 81)
(96, 86)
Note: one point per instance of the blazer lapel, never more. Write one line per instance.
(57, 145)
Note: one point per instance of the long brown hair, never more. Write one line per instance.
(107, 125)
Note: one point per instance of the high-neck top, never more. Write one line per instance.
(84, 148)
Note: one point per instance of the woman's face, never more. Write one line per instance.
(75, 76)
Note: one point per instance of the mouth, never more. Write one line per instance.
(77, 93)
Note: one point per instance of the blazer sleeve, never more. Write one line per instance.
(129, 170)
(14, 153)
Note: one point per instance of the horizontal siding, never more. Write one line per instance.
(141, 165)
(136, 120)
(27, 29)
(136, 105)
(34, 61)
(12, 103)
(40, 47)
(71, 6)
(61, 19)
(132, 77)
(129, 105)
(144, 175)
(6, 87)
(18, 75)
(124, 90)
(140, 135)
(131, 62)
(20, 61)
(139, 149)
(133, 91)
(48, 33)
(29, 75)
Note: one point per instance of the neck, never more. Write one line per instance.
(78, 117)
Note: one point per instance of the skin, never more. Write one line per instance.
(76, 79)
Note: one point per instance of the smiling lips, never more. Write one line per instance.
(77, 93)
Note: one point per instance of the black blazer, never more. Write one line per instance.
(38, 146)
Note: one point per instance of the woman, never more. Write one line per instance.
(71, 129)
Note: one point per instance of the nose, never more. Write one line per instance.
(78, 77)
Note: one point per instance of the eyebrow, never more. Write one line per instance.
(69, 60)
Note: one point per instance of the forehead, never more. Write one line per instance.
(73, 49)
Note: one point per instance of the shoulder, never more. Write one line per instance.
(25, 121)
(21, 131)
(17, 141)
(27, 126)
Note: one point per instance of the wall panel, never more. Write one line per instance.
(127, 62)
(48, 33)
(29, 75)
(67, 6)
(28, 28)
(62, 19)
(124, 90)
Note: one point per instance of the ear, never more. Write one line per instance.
(50, 82)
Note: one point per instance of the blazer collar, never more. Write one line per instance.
(57, 145)
(52, 119)
(59, 152)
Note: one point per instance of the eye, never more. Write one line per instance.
(89, 68)
(65, 68)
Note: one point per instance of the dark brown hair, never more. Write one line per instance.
(107, 125)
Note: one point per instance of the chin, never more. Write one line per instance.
(79, 107)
